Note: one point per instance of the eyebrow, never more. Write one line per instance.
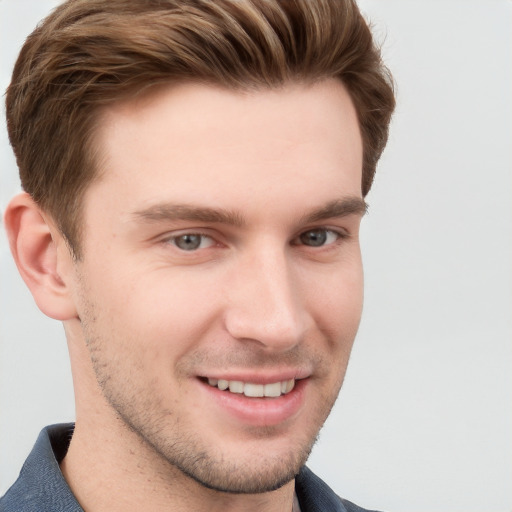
(183, 212)
(174, 212)
(337, 209)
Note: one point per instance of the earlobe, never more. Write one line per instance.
(37, 247)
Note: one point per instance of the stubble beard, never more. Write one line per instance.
(186, 454)
(178, 451)
(218, 474)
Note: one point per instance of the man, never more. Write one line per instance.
(194, 177)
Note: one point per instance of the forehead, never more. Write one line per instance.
(192, 142)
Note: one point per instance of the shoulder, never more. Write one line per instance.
(40, 486)
(316, 496)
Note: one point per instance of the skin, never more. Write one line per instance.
(268, 184)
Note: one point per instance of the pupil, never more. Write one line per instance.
(188, 242)
(314, 238)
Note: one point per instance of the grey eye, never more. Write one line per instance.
(188, 242)
(314, 237)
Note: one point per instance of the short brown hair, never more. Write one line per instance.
(90, 53)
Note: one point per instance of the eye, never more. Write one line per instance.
(191, 241)
(319, 237)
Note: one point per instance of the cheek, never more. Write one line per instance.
(154, 313)
(337, 301)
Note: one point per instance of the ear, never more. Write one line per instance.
(41, 255)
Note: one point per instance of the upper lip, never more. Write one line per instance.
(258, 377)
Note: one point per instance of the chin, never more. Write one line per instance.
(255, 468)
(269, 474)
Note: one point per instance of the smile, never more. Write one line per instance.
(252, 390)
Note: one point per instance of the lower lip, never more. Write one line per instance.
(259, 412)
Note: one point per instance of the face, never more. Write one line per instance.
(220, 289)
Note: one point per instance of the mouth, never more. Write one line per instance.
(256, 400)
(253, 390)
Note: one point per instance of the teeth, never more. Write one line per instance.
(287, 386)
(235, 386)
(272, 389)
(222, 384)
(254, 390)
(250, 389)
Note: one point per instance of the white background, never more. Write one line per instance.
(424, 421)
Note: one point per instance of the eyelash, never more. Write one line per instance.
(173, 240)
(299, 240)
(338, 234)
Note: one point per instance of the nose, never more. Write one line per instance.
(264, 302)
